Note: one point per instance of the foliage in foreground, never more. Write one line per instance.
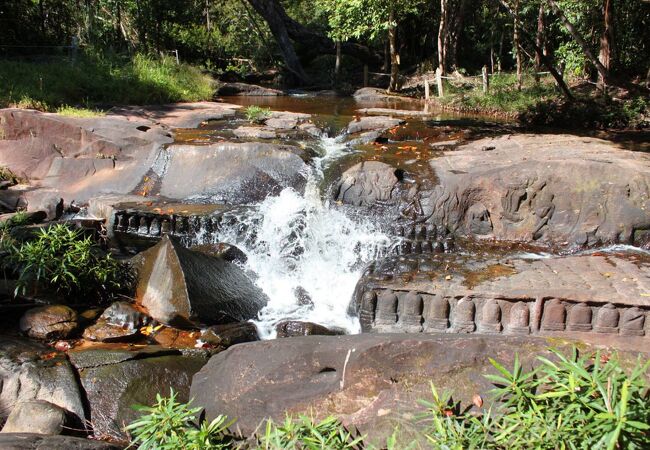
(101, 80)
(257, 114)
(574, 402)
(175, 426)
(62, 259)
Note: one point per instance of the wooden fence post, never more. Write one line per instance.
(486, 80)
(427, 92)
(439, 82)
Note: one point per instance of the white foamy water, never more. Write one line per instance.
(303, 243)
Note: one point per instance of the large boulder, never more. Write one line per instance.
(36, 416)
(237, 173)
(250, 90)
(554, 189)
(370, 381)
(49, 322)
(116, 380)
(30, 371)
(181, 287)
(370, 123)
(368, 182)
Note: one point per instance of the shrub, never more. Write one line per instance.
(62, 259)
(171, 425)
(257, 114)
(587, 402)
(307, 434)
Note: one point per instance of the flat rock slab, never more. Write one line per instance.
(370, 381)
(402, 113)
(559, 190)
(29, 441)
(595, 297)
(379, 123)
(177, 115)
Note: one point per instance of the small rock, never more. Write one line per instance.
(292, 328)
(224, 336)
(222, 250)
(36, 416)
(119, 322)
(49, 322)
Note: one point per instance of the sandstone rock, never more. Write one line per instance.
(292, 328)
(371, 382)
(36, 416)
(366, 183)
(31, 441)
(119, 322)
(471, 292)
(372, 123)
(49, 322)
(249, 132)
(235, 173)
(115, 380)
(175, 115)
(243, 89)
(222, 250)
(181, 287)
(558, 190)
(30, 371)
(224, 336)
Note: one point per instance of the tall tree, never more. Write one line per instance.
(606, 39)
(602, 70)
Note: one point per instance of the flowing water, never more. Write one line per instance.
(304, 252)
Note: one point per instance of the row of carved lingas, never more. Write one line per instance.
(158, 225)
(409, 312)
(416, 239)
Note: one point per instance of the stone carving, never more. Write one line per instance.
(607, 319)
(579, 318)
(632, 322)
(490, 317)
(436, 317)
(554, 316)
(519, 322)
(386, 312)
(463, 316)
(410, 314)
(367, 311)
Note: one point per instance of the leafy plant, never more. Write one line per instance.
(171, 425)
(575, 402)
(307, 434)
(257, 114)
(60, 258)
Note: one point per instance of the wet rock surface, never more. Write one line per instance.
(244, 89)
(30, 441)
(115, 380)
(224, 336)
(372, 382)
(180, 287)
(49, 322)
(235, 173)
(292, 328)
(372, 123)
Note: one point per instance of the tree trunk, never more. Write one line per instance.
(394, 55)
(455, 26)
(602, 71)
(558, 78)
(273, 16)
(442, 37)
(337, 64)
(517, 44)
(208, 25)
(540, 39)
(606, 40)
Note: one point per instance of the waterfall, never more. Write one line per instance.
(305, 253)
